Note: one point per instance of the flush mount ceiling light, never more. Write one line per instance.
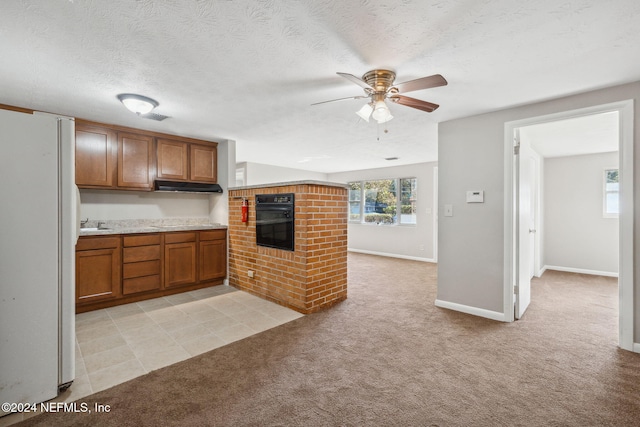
(137, 103)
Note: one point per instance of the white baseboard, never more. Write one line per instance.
(636, 347)
(493, 315)
(579, 270)
(412, 258)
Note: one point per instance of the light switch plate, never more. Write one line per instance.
(448, 210)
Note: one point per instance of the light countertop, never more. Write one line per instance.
(146, 226)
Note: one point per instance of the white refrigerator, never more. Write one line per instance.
(38, 232)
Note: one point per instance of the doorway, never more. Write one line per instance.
(517, 242)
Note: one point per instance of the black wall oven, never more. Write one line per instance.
(275, 221)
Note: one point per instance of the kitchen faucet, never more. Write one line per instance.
(84, 223)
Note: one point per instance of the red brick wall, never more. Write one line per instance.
(311, 277)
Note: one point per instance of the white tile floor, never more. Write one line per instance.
(119, 343)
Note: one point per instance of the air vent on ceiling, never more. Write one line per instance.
(154, 116)
(391, 158)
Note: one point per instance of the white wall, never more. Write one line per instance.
(219, 204)
(407, 241)
(576, 235)
(114, 205)
(258, 173)
(471, 151)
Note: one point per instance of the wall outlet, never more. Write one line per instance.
(251, 274)
(421, 247)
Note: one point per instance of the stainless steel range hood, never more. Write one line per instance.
(186, 187)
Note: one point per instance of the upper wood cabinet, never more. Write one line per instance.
(185, 161)
(173, 160)
(114, 157)
(96, 151)
(203, 162)
(106, 158)
(135, 161)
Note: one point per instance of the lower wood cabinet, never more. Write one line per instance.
(213, 255)
(179, 259)
(98, 267)
(141, 263)
(118, 269)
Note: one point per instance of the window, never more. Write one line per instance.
(355, 197)
(611, 193)
(381, 200)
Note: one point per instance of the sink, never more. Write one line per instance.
(94, 229)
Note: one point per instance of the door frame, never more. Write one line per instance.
(626, 229)
(435, 214)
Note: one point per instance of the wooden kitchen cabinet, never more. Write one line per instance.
(179, 259)
(121, 158)
(172, 160)
(203, 163)
(98, 263)
(107, 158)
(124, 268)
(96, 156)
(135, 161)
(213, 255)
(141, 263)
(185, 161)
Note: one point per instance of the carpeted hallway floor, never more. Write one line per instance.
(388, 357)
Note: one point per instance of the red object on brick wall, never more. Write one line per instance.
(245, 210)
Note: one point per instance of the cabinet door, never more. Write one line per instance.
(172, 160)
(203, 159)
(96, 149)
(97, 275)
(135, 161)
(179, 264)
(213, 260)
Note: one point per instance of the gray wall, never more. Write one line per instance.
(471, 156)
(577, 236)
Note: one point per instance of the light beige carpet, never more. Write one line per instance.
(388, 357)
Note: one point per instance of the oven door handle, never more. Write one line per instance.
(273, 221)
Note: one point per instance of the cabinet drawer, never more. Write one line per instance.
(213, 235)
(179, 237)
(88, 243)
(141, 253)
(142, 240)
(140, 284)
(139, 269)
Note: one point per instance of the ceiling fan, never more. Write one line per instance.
(378, 86)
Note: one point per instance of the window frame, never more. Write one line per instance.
(606, 192)
(362, 200)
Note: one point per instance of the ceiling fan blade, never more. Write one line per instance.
(355, 80)
(414, 103)
(341, 99)
(422, 83)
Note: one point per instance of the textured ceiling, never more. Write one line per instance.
(249, 70)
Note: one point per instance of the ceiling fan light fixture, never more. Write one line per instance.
(381, 112)
(365, 112)
(137, 103)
